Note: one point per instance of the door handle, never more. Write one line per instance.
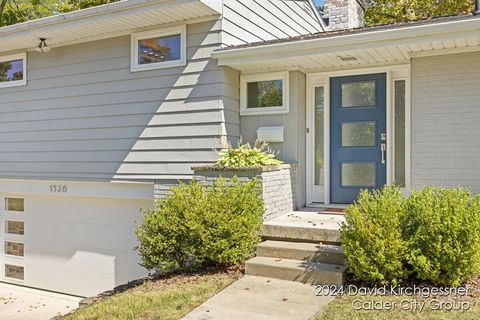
(383, 148)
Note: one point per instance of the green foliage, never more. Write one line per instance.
(394, 11)
(443, 228)
(372, 237)
(17, 11)
(246, 156)
(72, 5)
(434, 236)
(198, 225)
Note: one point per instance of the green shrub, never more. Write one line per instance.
(372, 237)
(443, 228)
(246, 156)
(197, 225)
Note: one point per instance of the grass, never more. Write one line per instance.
(168, 298)
(341, 308)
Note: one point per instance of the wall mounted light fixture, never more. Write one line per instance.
(43, 46)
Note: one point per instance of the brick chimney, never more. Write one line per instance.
(344, 14)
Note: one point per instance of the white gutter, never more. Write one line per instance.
(355, 41)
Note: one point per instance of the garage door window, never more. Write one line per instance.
(14, 248)
(14, 227)
(15, 204)
(14, 272)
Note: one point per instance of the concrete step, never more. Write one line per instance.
(303, 251)
(301, 234)
(315, 273)
(304, 227)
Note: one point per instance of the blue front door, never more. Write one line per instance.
(358, 135)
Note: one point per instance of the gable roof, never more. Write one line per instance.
(337, 33)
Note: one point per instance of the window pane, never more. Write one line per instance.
(14, 248)
(264, 94)
(358, 134)
(11, 70)
(400, 133)
(14, 272)
(14, 204)
(358, 94)
(319, 158)
(159, 49)
(14, 227)
(358, 174)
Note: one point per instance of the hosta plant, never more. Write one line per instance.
(244, 155)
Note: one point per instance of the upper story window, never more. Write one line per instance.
(13, 70)
(159, 49)
(264, 94)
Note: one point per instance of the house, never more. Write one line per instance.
(100, 111)
(103, 109)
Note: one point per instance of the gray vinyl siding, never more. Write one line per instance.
(85, 116)
(293, 149)
(445, 121)
(247, 21)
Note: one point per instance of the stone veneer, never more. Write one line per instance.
(278, 184)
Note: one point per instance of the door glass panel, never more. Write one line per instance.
(319, 157)
(358, 94)
(358, 174)
(400, 133)
(358, 134)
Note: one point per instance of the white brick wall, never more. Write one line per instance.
(446, 121)
(278, 185)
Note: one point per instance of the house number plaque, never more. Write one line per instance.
(58, 188)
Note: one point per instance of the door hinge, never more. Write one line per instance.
(308, 130)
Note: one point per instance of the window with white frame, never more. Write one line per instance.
(157, 49)
(13, 70)
(264, 94)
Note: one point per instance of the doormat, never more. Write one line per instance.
(339, 211)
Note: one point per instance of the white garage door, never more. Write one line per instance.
(80, 245)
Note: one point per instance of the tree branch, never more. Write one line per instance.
(2, 8)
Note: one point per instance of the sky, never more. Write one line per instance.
(319, 2)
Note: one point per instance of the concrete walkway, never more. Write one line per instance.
(20, 303)
(259, 298)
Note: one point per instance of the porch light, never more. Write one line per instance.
(43, 46)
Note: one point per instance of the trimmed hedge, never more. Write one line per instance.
(198, 225)
(443, 231)
(432, 236)
(372, 238)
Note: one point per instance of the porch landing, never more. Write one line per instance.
(306, 225)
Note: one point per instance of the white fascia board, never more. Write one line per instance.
(356, 41)
(216, 5)
(108, 10)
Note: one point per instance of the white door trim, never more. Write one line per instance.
(394, 73)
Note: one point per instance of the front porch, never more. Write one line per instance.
(425, 100)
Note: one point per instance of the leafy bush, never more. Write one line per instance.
(198, 225)
(372, 237)
(443, 228)
(246, 156)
